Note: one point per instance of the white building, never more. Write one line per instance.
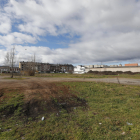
(79, 69)
(4, 69)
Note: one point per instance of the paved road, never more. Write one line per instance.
(109, 80)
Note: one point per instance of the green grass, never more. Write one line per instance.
(110, 107)
(87, 75)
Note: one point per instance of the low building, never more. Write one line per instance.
(4, 69)
(79, 69)
(15, 69)
(89, 66)
(7, 69)
(132, 65)
(114, 69)
(113, 65)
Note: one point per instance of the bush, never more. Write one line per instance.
(113, 73)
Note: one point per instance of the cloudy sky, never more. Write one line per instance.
(71, 31)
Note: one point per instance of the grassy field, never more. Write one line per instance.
(81, 111)
(88, 75)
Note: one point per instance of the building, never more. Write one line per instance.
(61, 68)
(7, 69)
(100, 66)
(113, 65)
(66, 68)
(79, 69)
(89, 66)
(46, 67)
(128, 67)
(15, 69)
(114, 69)
(132, 65)
(4, 69)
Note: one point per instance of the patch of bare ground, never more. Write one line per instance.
(43, 97)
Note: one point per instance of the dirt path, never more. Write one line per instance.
(11, 82)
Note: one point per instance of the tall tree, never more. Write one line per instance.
(10, 59)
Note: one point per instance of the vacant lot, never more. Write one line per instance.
(45, 109)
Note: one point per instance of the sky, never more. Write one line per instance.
(71, 31)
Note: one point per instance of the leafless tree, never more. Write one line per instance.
(10, 59)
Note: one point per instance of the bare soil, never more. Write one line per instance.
(41, 95)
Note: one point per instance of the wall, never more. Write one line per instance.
(132, 69)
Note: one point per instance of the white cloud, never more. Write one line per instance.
(108, 30)
(77, 17)
(5, 23)
(16, 38)
(2, 55)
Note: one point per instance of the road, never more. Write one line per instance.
(49, 79)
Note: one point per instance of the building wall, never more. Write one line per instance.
(61, 67)
(9, 69)
(4, 69)
(134, 64)
(132, 69)
(15, 69)
(46, 67)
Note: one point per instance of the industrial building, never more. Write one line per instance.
(127, 67)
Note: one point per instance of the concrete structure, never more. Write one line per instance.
(130, 65)
(114, 69)
(79, 69)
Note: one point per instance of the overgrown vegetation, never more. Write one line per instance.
(98, 111)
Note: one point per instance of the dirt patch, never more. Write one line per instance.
(49, 97)
(43, 98)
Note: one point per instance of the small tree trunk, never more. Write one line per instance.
(12, 74)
